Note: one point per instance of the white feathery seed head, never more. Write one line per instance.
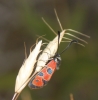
(49, 51)
(52, 46)
(27, 68)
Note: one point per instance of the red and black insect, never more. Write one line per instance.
(42, 77)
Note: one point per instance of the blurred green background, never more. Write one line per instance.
(20, 21)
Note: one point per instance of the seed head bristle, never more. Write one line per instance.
(49, 26)
(71, 30)
(76, 37)
(58, 19)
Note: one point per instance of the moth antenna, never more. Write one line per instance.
(77, 43)
(77, 38)
(25, 50)
(49, 26)
(58, 19)
(73, 41)
(78, 32)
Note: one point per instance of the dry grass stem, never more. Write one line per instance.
(71, 97)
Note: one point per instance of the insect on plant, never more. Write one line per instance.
(52, 46)
(48, 60)
(42, 77)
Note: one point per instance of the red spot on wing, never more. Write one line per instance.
(37, 81)
(52, 65)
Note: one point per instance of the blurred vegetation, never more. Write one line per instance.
(21, 22)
